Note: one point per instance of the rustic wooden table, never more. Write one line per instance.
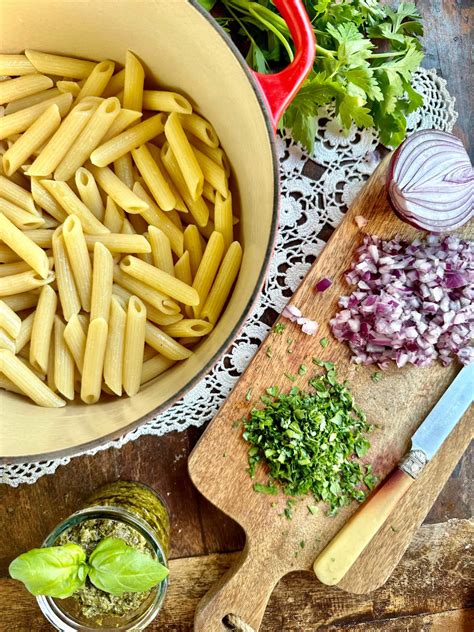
(430, 589)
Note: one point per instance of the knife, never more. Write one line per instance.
(344, 549)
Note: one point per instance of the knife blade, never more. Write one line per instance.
(340, 554)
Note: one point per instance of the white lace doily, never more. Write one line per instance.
(310, 208)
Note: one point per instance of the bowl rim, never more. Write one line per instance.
(100, 443)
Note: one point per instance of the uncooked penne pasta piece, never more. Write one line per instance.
(33, 99)
(115, 84)
(16, 194)
(60, 66)
(24, 247)
(222, 286)
(22, 219)
(159, 280)
(197, 207)
(102, 279)
(79, 259)
(200, 128)
(212, 172)
(161, 250)
(25, 300)
(42, 237)
(94, 355)
(123, 121)
(192, 243)
(75, 338)
(63, 362)
(145, 292)
(89, 192)
(133, 83)
(20, 121)
(117, 190)
(214, 153)
(7, 385)
(68, 86)
(164, 344)
(208, 192)
(128, 140)
(185, 156)
(7, 255)
(118, 242)
(97, 81)
(9, 321)
(113, 216)
(223, 220)
(33, 138)
(156, 316)
(7, 269)
(154, 178)
(15, 65)
(114, 357)
(6, 341)
(123, 168)
(61, 141)
(65, 196)
(155, 366)
(68, 295)
(208, 269)
(24, 335)
(45, 200)
(134, 345)
(179, 202)
(188, 328)
(165, 101)
(21, 87)
(88, 139)
(42, 328)
(23, 282)
(26, 380)
(156, 217)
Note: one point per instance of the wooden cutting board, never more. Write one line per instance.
(398, 403)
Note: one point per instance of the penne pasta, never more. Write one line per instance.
(32, 99)
(124, 119)
(152, 313)
(7, 385)
(179, 202)
(113, 216)
(94, 355)
(161, 250)
(185, 156)
(182, 269)
(6, 341)
(7, 269)
(117, 242)
(65, 196)
(68, 86)
(22, 87)
(208, 192)
(88, 139)
(63, 362)
(79, 260)
(75, 338)
(45, 200)
(192, 243)
(89, 192)
(59, 65)
(134, 345)
(145, 292)
(188, 328)
(165, 101)
(25, 248)
(18, 302)
(24, 335)
(68, 294)
(22, 219)
(212, 172)
(208, 269)
(214, 153)
(102, 279)
(223, 220)
(222, 286)
(17, 195)
(155, 366)
(164, 344)
(9, 321)
(114, 356)
(123, 168)
(15, 65)
(133, 83)
(115, 84)
(154, 178)
(27, 382)
(60, 143)
(128, 140)
(20, 121)
(42, 329)
(33, 138)
(200, 128)
(23, 282)
(159, 280)
(97, 81)
(118, 191)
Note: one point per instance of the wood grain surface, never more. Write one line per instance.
(408, 602)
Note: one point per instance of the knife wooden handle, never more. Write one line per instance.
(344, 549)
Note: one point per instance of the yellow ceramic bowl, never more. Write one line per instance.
(183, 49)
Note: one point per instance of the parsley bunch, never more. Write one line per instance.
(366, 53)
(310, 441)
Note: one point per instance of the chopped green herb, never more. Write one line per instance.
(274, 505)
(312, 509)
(302, 543)
(290, 376)
(265, 489)
(309, 441)
(377, 376)
(269, 352)
(279, 328)
(289, 340)
(303, 369)
(324, 342)
(248, 395)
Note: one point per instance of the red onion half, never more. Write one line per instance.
(431, 182)
(413, 303)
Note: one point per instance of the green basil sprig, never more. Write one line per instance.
(113, 566)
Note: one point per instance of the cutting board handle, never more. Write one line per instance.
(244, 591)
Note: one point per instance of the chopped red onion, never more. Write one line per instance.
(292, 313)
(413, 302)
(360, 221)
(323, 284)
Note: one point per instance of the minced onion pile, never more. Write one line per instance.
(413, 302)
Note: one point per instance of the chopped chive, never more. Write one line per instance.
(302, 544)
(248, 395)
(312, 509)
(324, 342)
(303, 369)
(279, 328)
(265, 489)
(377, 376)
(290, 376)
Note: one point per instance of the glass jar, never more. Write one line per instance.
(128, 505)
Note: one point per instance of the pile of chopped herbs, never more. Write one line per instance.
(311, 441)
(366, 53)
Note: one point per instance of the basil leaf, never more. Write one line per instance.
(56, 571)
(116, 568)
